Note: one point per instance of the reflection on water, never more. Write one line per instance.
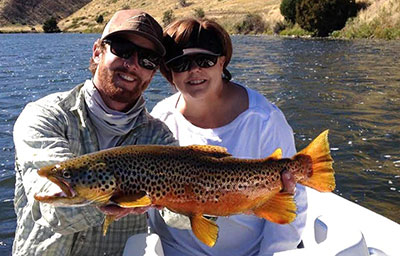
(350, 87)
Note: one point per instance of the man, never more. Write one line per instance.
(104, 112)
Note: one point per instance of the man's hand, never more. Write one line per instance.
(120, 212)
(289, 184)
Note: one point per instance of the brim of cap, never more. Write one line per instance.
(192, 51)
(158, 45)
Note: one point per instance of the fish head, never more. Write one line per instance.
(81, 181)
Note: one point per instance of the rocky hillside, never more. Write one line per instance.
(84, 19)
(380, 20)
(32, 12)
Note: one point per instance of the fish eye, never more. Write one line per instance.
(66, 174)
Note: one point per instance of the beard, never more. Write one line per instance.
(115, 90)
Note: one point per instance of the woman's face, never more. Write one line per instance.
(198, 82)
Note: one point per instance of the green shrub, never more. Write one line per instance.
(50, 26)
(288, 10)
(199, 13)
(252, 23)
(294, 31)
(168, 17)
(322, 17)
(99, 19)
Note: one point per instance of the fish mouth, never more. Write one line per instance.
(66, 190)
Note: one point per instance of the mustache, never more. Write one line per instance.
(125, 70)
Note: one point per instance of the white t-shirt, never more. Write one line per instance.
(255, 133)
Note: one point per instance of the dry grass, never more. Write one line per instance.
(224, 11)
(380, 20)
(21, 29)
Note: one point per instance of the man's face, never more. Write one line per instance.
(121, 81)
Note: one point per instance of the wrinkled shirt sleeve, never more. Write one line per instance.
(40, 140)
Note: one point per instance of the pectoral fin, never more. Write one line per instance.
(132, 201)
(280, 208)
(205, 230)
(107, 221)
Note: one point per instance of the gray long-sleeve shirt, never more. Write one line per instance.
(50, 130)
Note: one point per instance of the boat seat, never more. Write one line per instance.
(143, 245)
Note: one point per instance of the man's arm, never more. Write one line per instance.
(40, 140)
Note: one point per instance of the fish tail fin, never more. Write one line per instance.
(322, 177)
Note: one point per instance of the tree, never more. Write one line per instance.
(288, 10)
(252, 23)
(100, 19)
(50, 26)
(168, 17)
(322, 17)
(199, 13)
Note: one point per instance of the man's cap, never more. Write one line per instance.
(200, 42)
(136, 22)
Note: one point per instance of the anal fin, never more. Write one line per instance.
(107, 221)
(280, 208)
(205, 230)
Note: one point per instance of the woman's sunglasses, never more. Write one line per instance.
(185, 63)
(125, 49)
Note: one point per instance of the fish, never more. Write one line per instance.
(196, 181)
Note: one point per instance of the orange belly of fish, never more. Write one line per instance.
(228, 204)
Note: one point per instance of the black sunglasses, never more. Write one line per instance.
(124, 48)
(184, 63)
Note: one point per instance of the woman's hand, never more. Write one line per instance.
(289, 184)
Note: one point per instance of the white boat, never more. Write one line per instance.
(335, 227)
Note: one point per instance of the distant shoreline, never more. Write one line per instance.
(294, 36)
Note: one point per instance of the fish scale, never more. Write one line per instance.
(191, 180)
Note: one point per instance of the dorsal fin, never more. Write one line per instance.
(209, 150)
(276, 155)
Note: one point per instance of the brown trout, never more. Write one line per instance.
(191, 180)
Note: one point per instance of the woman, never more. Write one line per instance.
(211, 109)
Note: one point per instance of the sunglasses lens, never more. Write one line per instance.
(206, 61)
(184, 63)
(148, 59)
(180, 65)
(122, 48)
(125, 49)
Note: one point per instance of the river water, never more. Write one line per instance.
(349, 87)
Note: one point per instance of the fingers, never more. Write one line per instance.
(120, 212)
(289, 184)
(110, 209)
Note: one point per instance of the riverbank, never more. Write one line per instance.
(380, 20)
(21, 29)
